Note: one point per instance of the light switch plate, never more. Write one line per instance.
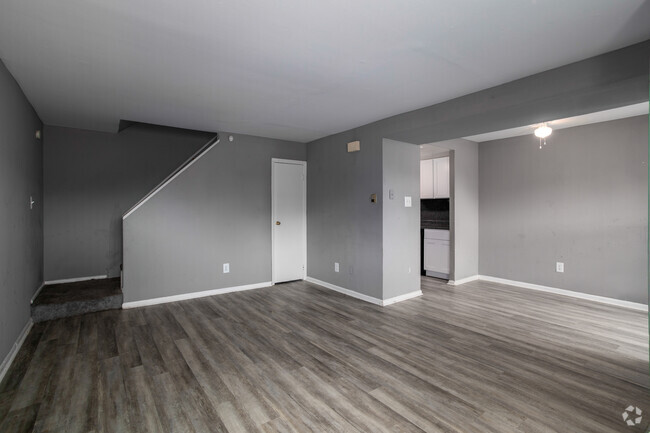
(226, 268)
(407, 201)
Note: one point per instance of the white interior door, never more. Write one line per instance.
(289, 223)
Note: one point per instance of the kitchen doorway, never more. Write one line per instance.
(436, 196)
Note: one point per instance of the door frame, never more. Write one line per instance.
(275, 161)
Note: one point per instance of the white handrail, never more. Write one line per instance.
(196, 156)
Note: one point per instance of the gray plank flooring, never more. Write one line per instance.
(480, 357)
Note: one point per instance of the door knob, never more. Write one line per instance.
(277, 223)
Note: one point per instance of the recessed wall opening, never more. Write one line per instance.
(436, 201)
(567, 212)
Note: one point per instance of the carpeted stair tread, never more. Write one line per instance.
(56, 301)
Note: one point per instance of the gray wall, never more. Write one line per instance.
(217, 211)
(581, 200)
(611, 80)
(343, 226)
(401, 225)
(21, 230)
(91, 179)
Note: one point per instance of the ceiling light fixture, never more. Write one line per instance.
(542, 132)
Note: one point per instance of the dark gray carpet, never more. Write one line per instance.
(71, 299)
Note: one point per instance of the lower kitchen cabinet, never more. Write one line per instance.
(436, 253)
(436, 256)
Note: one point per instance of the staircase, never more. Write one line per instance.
(56, 301)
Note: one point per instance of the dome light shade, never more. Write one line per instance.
(543, 131)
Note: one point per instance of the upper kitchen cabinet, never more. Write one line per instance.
(441, 177)
(426, 178)
(434, 178)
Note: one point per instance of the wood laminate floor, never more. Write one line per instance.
(480, 357)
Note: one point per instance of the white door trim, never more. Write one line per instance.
(304, 212)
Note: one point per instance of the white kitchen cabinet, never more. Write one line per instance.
(434, 178)
(426, 178)
(441, 177)
(436, 256)
(436, 253)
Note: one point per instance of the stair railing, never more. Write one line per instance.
(184, 166)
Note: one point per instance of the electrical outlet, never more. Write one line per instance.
(559, 267)
(407, 201)
(226, 268)
(336, 267)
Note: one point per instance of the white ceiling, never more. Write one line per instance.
(290, 69)
(569, 122)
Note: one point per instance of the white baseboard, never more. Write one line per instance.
(193, 295)
(6, 363)
(345, 291)
(36, 293)
(595, 298)
(76, 280)
(401, 298)
(363, 297)
(463, 280)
